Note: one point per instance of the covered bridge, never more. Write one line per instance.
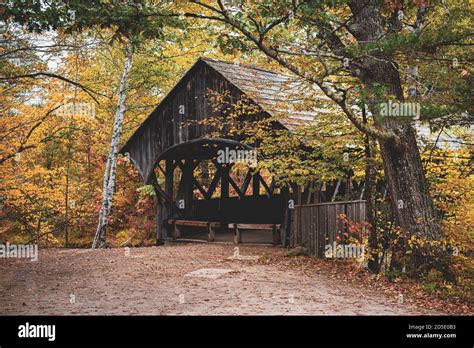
(173, 142)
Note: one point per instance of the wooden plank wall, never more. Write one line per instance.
(167, 126)
(315, 225)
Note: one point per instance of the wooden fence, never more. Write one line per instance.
(316, 225)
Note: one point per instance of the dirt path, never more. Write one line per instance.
(158, 280)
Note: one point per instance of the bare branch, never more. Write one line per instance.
(89, 91)
(24, 147)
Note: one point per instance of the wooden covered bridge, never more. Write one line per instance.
(174, 143)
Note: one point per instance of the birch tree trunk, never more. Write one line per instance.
(108, 187)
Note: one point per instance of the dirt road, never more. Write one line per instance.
(182, 279)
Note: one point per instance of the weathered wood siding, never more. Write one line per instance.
(315, 225)
(167, 126)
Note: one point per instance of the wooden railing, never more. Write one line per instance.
(316, 225)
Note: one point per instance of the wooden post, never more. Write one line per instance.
(188, 187)
(159, 212)
(256, 184)
(159, 220)
(310, 192)
(225, 181)
(169, 173)
(276, 234)
(336, 190)
(176, 231)
(224, 178)
(237, 235)
(210, 232)
(287, 219)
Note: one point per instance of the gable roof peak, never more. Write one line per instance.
(246, 66)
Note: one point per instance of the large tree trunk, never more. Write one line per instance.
(108, 187)
(370, 196)
(411, 202)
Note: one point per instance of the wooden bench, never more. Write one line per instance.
(208, 225)
(275, 228)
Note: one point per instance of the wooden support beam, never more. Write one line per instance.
(199, 187)
(225, 181)
(160, 196)
(188, 186)
(256, 184)
(214, 182)
(235, 186)
(165, 203)
(362, 192)
(188, 163)
(321, 192)
(336, 190)
(160, 191)
(265, 186)
(310, 192)
(180, 193)
(169, 210)
(161, 169)
(169, 177)
(246, 182)
(176, 164)
(285, 192)
(160, 233)
(272, 185)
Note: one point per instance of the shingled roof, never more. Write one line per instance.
(283, 96)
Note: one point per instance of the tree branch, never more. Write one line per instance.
(274, 54)
(89, 91)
